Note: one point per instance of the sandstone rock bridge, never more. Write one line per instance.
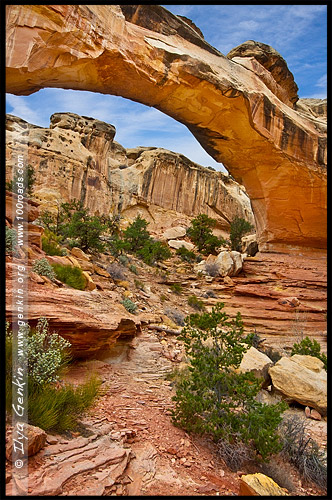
(243, 108)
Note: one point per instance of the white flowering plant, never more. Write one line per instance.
(44, 268)
(47, 354)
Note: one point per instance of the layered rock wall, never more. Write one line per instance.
(238, 109)
(76, 158)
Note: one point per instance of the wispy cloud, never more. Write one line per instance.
(19, 107)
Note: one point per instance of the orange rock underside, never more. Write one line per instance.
(276, 152)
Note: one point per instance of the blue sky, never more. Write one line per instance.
(297, 32)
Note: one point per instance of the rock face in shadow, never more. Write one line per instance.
(77, 158)
(241, 110)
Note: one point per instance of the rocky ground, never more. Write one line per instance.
(127, 444)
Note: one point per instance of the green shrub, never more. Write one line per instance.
(23, 182)
(201, 234)
(49, 407)
(47, 354)
(136, 234)
(50, 243)
(123, 259)
(43, 268)
(194, 302)
(163, 297)
(153, 251)
(11, 240)
(176, 288)
(72, 276)
(129, 305)
(139, 284)
(186, 255)
(133, 269)
(238, 228)
(58, 409)
(214, 399)
(310, 348)
(117, 246)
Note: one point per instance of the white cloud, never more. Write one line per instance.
(21, 109)
(322, 82)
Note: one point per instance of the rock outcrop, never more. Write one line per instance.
(260, 485)
(240, 110)
(77, 158)
(303, 379)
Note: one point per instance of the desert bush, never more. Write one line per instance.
(43, 268)
(279, 473)
(176, 288)
(136, 234)
(123, 259)
(50, 243)
(116, 271)
(133, 269)
(200, 232)
(117, 246)
(234, 454)
(49, 407)
(212, 269)
(11, 240)
(196, 303)
(72, 276)
(238, 228)
(186, 255)
(214, 399)
(175, 316)
(303, 451)
(22, 184)
(139, 284)
(58, 409)
(153, 251)
(163, 298)
(129, 305)
(47, 354)
(310, 348)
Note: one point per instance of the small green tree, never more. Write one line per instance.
(310, 348)
(153, 251)
(214, 399)
(82, 227)
(11, 240)
(186, 255)
(23, 181)
(201, 234)
(136, 234)
(238, 228)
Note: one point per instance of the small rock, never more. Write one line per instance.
(51, 439)
(228, 281)
(307, 411)
(315, 415)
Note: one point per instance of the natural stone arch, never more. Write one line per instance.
(236, 108)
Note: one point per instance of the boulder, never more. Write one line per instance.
(258, 363)
(303, 379)
(238, 262)
(249, 245)
(174, 232)
(225, 263)
(259, 485)
(36, 439)
(181, 243)
(77, 252)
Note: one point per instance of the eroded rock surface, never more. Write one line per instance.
(243, 116)
(77, 158)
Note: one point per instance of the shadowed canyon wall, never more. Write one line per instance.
(77, 158)
(242, 109)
